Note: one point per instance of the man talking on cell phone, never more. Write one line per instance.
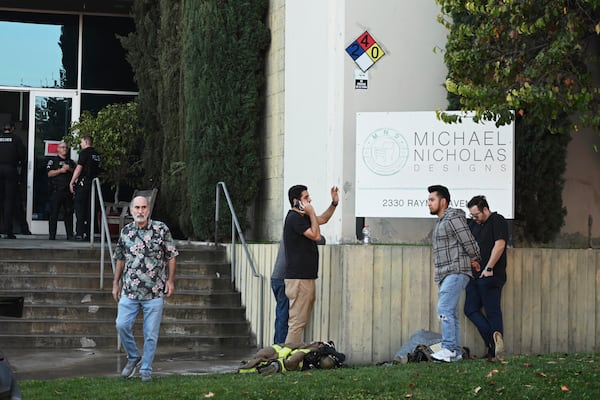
(300, 233)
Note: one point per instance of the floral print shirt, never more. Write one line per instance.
(146, 252)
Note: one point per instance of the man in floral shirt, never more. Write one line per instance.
(145, 256)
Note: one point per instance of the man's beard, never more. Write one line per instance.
(140, 218)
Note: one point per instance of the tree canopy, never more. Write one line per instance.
(116, 136)
(530, 56)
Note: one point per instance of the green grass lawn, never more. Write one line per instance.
(555, 376)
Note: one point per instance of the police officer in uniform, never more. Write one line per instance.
(60, 170)
(88, 167)
(12, 154)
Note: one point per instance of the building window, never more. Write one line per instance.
(38, 50)
(95, 102)
(104, 60)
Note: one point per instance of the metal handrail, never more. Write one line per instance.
(235, 226)
(104, 231)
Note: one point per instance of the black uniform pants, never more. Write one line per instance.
(8, 181)
(61, 198)
(82, 207)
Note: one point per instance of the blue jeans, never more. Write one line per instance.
(282, 310)
(128, 311)
(449, 293)
(485, 293)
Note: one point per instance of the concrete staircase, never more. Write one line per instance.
(66, 308)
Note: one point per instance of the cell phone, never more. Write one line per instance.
(298, 205)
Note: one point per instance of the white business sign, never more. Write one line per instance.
(400, 154)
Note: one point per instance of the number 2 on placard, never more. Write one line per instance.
(354, 48)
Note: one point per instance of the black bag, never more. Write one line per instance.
(11, 306)
(422, 353)
(326, 357)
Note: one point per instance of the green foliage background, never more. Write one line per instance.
(116, 135)
(224, 44)
(527, 61)
(200, 77)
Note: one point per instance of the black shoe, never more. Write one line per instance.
(491, 352)
(10, 236)
(51, 238)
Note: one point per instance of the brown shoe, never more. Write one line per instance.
(498, 344)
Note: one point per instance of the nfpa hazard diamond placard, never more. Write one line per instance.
(365, 51)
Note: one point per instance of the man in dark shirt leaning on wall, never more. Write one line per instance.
(490, 229)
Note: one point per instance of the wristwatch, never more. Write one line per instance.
(489, 269)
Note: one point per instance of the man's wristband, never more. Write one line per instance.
(489, 269)
(334, 203)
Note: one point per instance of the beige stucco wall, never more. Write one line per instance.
(270, 201)
(408, 78)
(581, 194)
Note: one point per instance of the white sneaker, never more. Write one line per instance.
(445, 355)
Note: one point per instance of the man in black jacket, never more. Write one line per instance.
(88, 167)
(12, 154)
(60, 170)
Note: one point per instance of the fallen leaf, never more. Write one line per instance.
(411, 385)
(492, 383)
(564, 388)
(245, 393)
(209, 394)
(477, 389)
(491, 373)
(542, 374)
(408, 395)
(527, 365)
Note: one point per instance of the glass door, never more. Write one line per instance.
(51, 114)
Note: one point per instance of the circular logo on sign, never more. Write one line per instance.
(385, 151)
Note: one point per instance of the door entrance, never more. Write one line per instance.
(51, 114)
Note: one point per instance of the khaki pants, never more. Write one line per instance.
(301, 293)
